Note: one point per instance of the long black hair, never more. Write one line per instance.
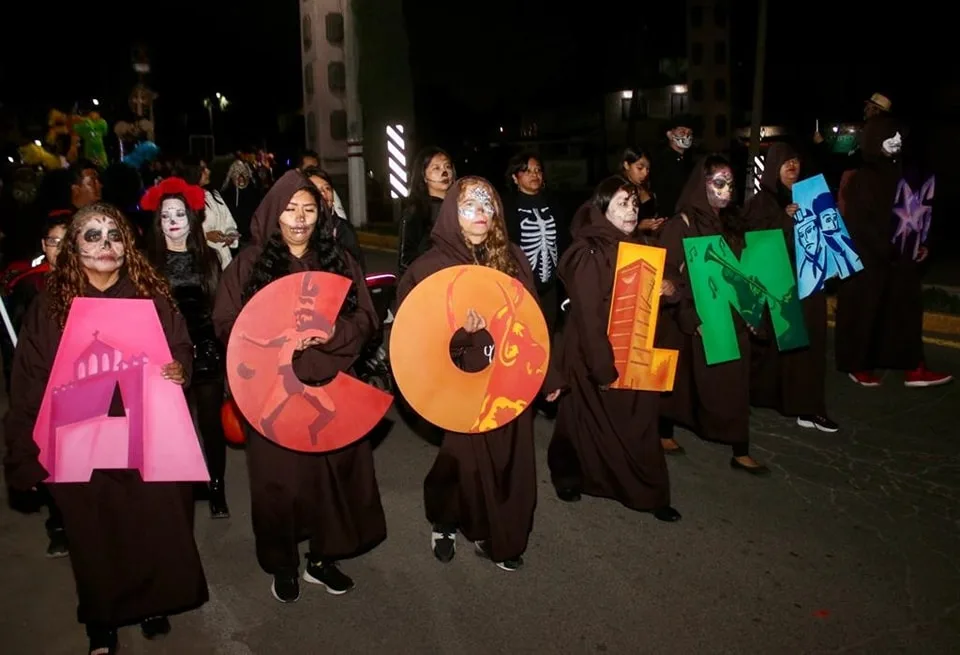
(205, 259)
(419, 195)
(633, 154)
(274, 260)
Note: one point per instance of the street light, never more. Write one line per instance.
(96, 103)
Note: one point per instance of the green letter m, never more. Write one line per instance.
(761, 277)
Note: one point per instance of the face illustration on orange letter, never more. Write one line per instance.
(100, 245)
(516, 350)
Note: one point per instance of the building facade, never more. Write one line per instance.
(708, 70)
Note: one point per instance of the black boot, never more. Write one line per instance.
(155, 627)
(218, 500)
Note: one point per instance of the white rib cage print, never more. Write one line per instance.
(538, 239)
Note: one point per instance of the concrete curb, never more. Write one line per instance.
(932, 321)
(374, 241)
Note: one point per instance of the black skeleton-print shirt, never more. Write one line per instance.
(533, 225)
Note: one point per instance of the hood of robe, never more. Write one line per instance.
(693, 198)
(266, 219)
(446, 234)
(778, 154)
(591, 223)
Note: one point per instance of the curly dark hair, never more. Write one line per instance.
(68, 279)
(274, 260)
(205, 259)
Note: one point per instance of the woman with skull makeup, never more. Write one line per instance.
(605, 442)
(219, 227)
(713, 400)
(880, 309)
(433, 173)
(177, 247)
(331, 498)
(791, 382)
(483, 485)
(132, 549)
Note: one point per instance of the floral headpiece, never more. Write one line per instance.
(172, 186)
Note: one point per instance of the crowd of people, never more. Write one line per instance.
(201, 254)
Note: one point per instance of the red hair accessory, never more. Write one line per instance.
(172, 186)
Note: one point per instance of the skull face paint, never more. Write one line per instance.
(682, 137)
(720, 187)
(174, 221)
(299, 219)
(622, 211)
(476, 211)
(892, 145)
(100, 245)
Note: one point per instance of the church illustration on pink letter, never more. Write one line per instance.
(99, 415)
(107, 404)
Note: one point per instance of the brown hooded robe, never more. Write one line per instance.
(485, 484)
(713, 400)
(333, 498)
(132, 549)
(880, 309)
(791, 382)
(605, 443)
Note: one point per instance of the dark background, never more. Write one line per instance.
(473, 64)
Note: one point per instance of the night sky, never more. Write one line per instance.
(823, 59)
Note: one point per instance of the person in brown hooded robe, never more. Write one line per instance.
(711, 399)
(484, 485)
(880, 309)
(331, 498)
(791, 382)
(605, 441)
(132, 550)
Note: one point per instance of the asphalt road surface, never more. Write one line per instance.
(850, 547)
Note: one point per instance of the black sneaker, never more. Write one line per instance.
(58, 544)
(444, 544)
(822, 423)
(286, 588)
(329, 575)
(153, 628)
(507, 565)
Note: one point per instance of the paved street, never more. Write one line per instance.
(851, 546)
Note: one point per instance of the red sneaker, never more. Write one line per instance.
(921, 377)
(865, 379)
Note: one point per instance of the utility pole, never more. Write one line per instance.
(356, 170)
(757, 110)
